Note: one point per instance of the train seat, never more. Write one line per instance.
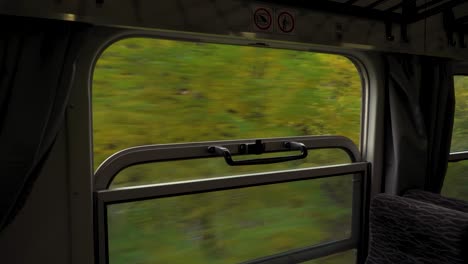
(437, 199)
(404, 230)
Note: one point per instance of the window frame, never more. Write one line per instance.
(460, 69)
(162, 153)
(79, 118)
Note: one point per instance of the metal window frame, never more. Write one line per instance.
(460, 69)
(79, 117)
(103, 196)
(368, 64)
(164, 152)
(458, 156)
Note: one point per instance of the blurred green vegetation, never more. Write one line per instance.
(148, 91)
(229, 226)
(460, 126)
(455, 183)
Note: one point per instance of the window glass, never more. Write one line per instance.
(455, 180)
(151, 91)
(460, 127)
(231, 226)
(455, 183)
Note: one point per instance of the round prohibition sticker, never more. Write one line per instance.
(263, 19)
(286, 22)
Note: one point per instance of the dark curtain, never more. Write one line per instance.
(419, 116)
(36, 73)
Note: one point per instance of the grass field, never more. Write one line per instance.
(148, 91)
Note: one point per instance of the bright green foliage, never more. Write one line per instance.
(148, 91)
(460, 126)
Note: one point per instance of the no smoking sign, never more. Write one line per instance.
(269, 20)
(262, 19)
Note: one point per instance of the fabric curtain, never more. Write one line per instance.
(420, 105)
(36, 73)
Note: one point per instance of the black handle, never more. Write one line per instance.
(222, 151)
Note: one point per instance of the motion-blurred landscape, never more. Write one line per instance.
(149, 91)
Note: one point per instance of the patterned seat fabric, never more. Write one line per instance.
(437, 199)
(404, 231)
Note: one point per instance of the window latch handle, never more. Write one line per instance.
(224, 152)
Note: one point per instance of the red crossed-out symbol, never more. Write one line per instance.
(286, 22)
(262, 19)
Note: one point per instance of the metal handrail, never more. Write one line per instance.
(458, 156)
(107, 171)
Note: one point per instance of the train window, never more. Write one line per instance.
(455, 179)
(215, 227)
(178, 95)
(460, 127)
(149, 91)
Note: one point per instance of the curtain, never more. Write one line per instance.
(36, 73)
(419, 112)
